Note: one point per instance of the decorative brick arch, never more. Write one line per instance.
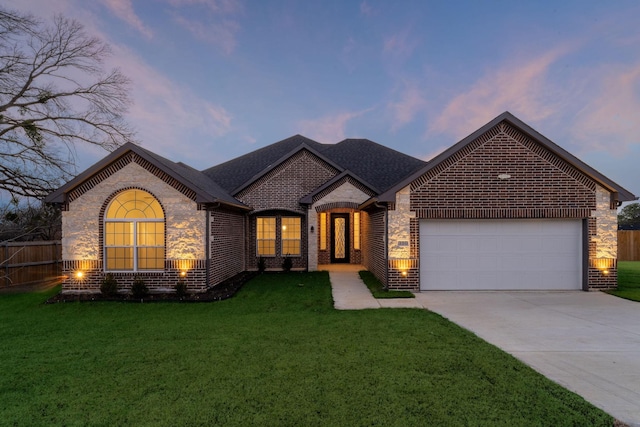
(337, 205)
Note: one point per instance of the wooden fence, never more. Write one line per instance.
(29, 262)
(628, 245)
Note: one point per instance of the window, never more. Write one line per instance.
(134, 233)
(356, 231)
(322, 230)
(291, 236)
(266, 236)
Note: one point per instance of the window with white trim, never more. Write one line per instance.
(266, 236)
(134, 233)
(291, 236)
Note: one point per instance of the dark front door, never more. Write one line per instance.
(340, 238)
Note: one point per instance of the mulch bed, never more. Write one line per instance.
(222, 291)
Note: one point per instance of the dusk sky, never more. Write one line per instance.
(215, 79)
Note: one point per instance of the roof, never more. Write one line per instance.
(237, 172)
(379, 166)
(623, 194)
(207, 191)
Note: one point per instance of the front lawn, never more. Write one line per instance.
(276, 354)
(377, 288)
(628, 280)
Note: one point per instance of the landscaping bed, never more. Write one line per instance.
(224, 290)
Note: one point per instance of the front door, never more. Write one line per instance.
(340, 237)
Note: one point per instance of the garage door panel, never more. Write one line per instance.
(500, 254)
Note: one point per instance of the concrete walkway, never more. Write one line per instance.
(350, 293)
(588, 342)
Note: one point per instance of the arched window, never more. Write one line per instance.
(134, 233)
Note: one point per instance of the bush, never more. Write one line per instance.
(287, 263)
(262, 265)
(139, 289)
(109, 286)
(181, 289)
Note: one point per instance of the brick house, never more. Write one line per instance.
(504, 208)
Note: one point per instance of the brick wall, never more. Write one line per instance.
(467, 185)
(285, 185)
(227, 237)
(539, 185)
(374, 256)
(275, 262)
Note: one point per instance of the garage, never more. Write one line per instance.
(523, 254)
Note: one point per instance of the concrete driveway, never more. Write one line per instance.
(589, 342)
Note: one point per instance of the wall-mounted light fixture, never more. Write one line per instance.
(311, 229)
(183, 273)
(79, 275)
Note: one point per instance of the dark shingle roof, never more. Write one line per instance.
(236, 172)
(378, 165)
(207, 191)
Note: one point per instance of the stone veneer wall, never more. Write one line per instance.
(82, 224)
(342, 197)
(403, 262)
(603, 243)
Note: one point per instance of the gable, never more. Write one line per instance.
(503, 170)
(283, 186)
(121, 163)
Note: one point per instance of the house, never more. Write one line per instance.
(504, 208)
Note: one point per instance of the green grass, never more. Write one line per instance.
(378, 290)
(277, 354)
(628, 281)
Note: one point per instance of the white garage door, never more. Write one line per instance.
(500, 254)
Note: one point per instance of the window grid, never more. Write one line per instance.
(291, 236)
(356, 231)
(266, 236)
(322, 230)
(134, 233)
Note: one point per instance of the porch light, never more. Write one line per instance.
(311, 229)
(404, 273)
(183, 273)
(79, 275)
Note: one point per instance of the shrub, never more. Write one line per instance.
(109, 286)
(139, 289)
(181, 289)
(262, 265)
(287, 263)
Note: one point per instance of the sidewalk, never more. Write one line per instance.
(350, 293)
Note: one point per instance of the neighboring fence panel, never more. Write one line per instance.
(628, 245)
(29, 262)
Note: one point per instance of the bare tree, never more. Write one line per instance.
(54, 93)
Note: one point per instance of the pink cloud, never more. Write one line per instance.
(399, 45)
(410, 103)
(216, 6)
(365, 8)
(220, 34)
(611, 120)
(520, 87)
(329, 129)
(123, 9)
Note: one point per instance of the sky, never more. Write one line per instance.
(215, 79)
